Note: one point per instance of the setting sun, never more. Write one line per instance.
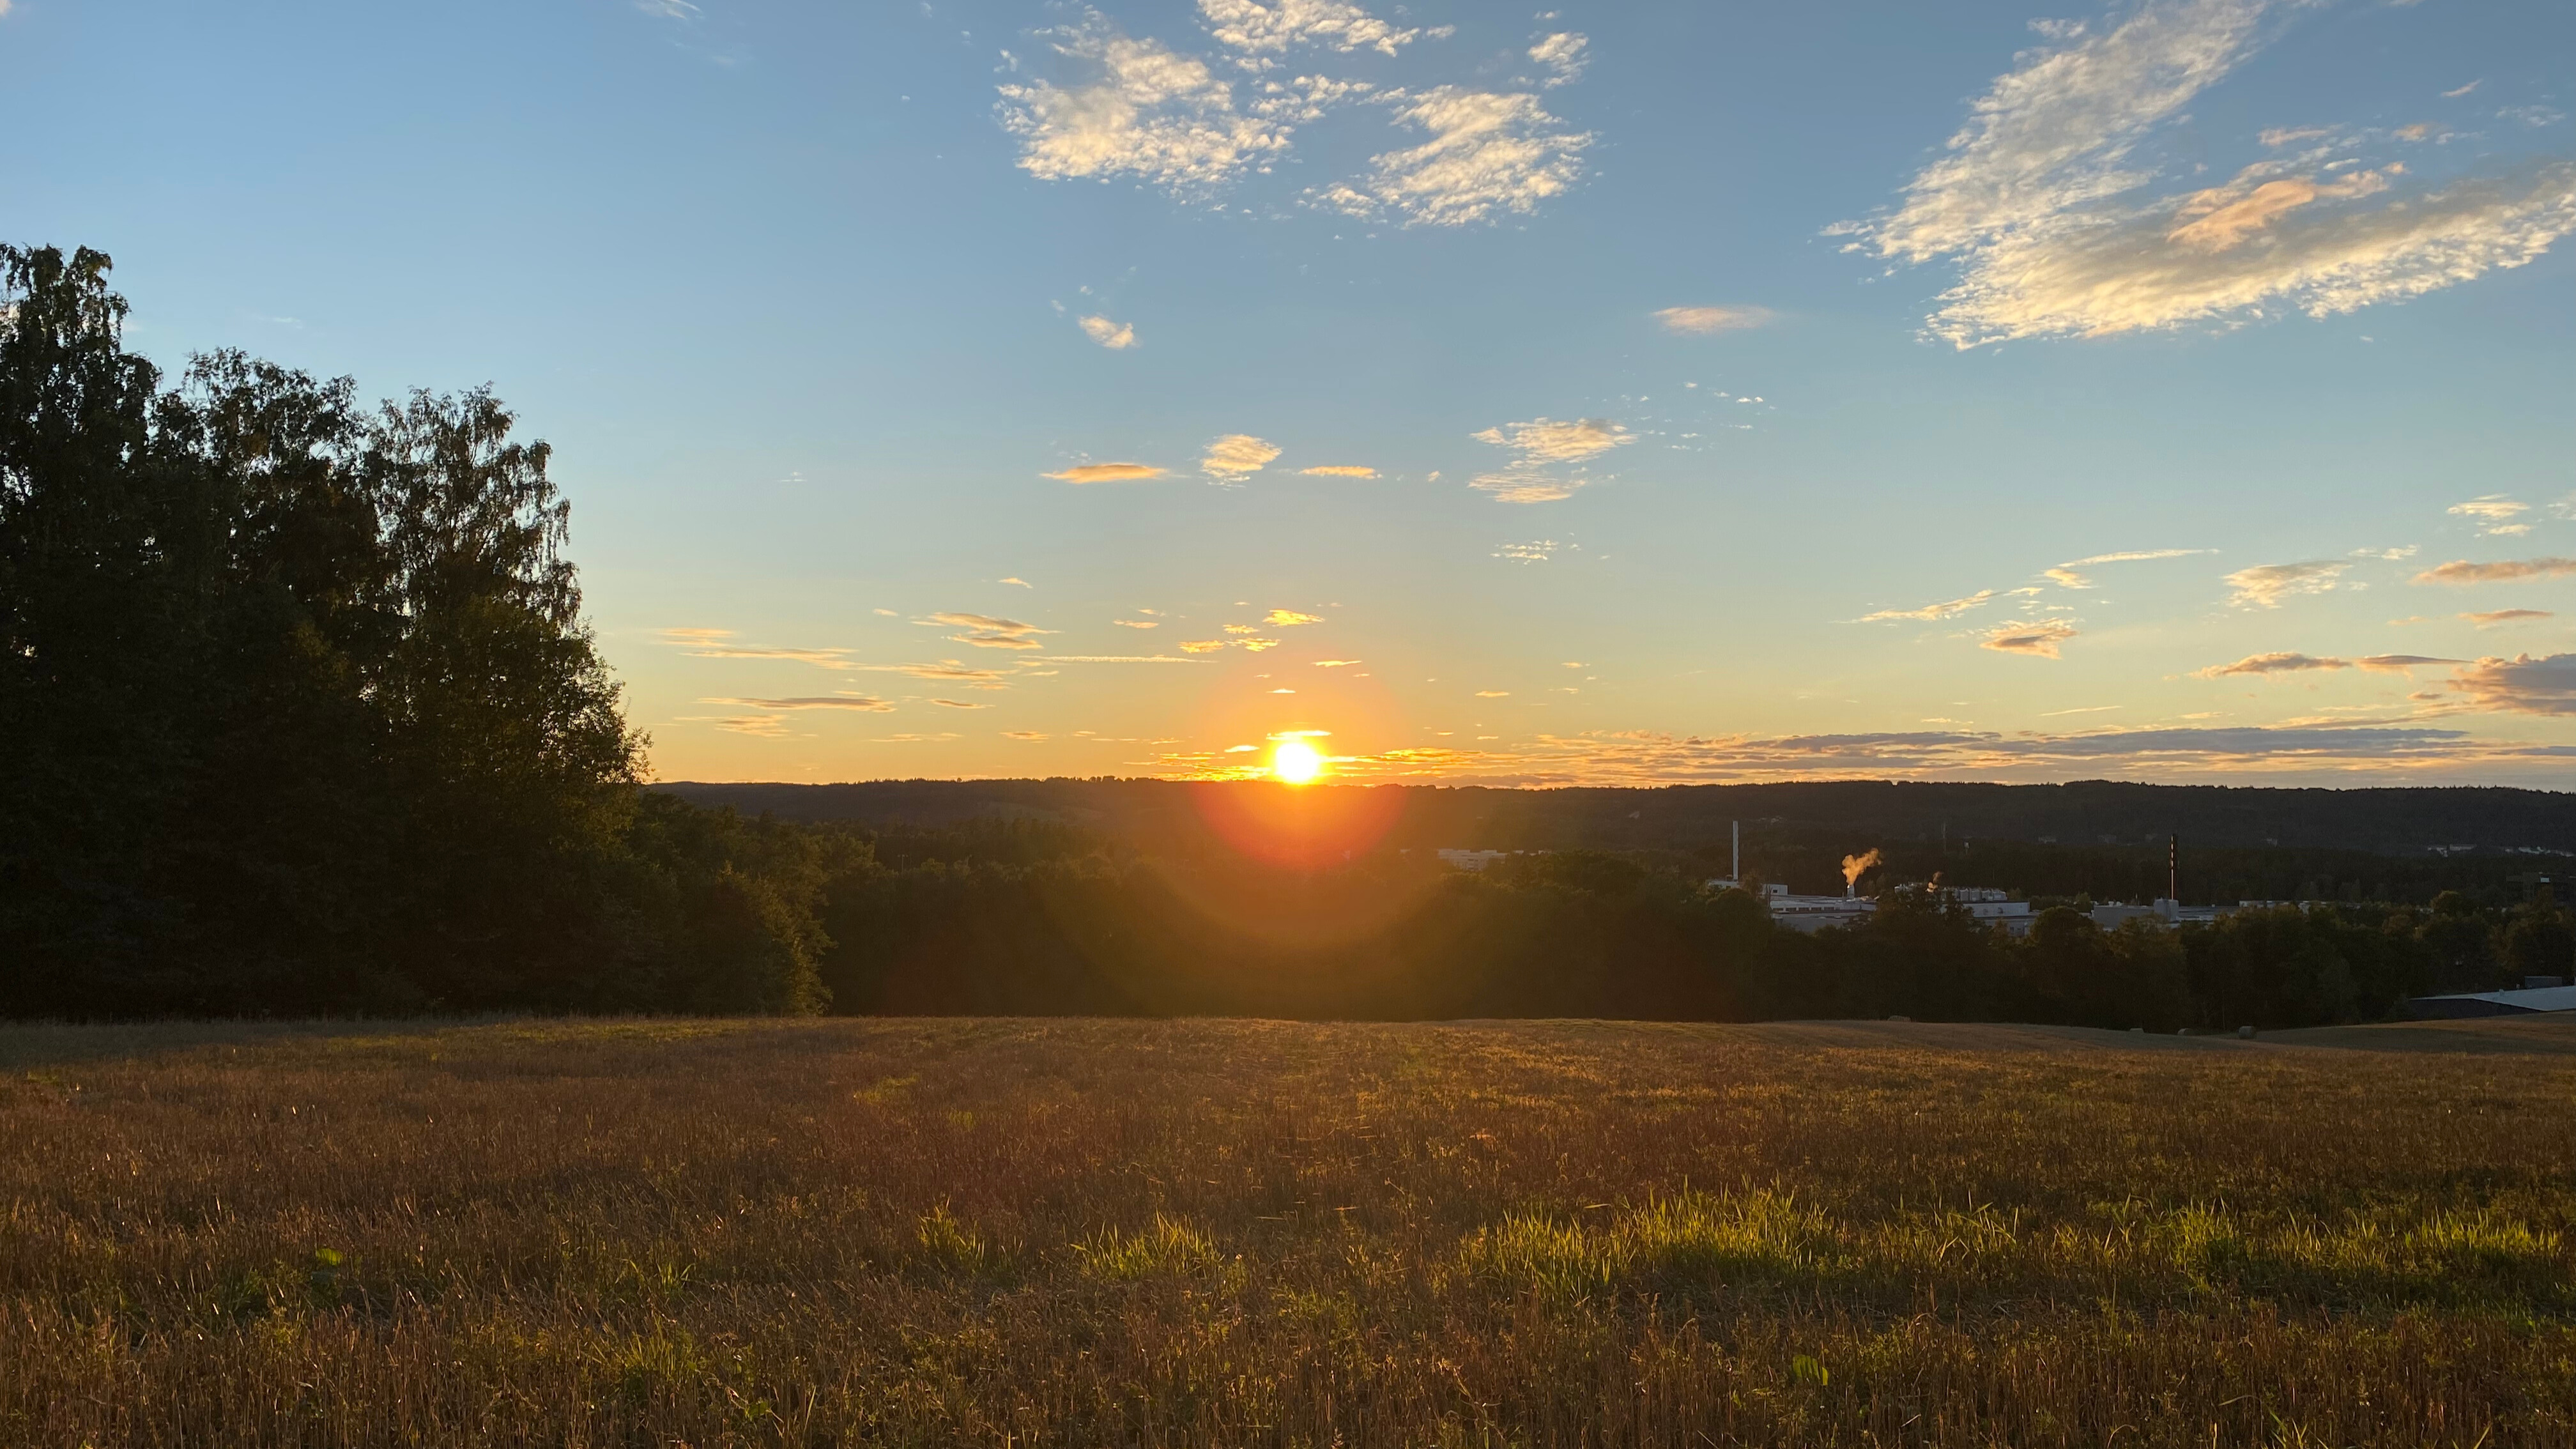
(1295, 762)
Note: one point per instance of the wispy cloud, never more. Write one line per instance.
(2280, 663)
(2266, 585)
(1700, 321)
(2039, 637)
(1535, 551)
(1116, 336)
(2287, 663)
(1137, 109)
(1237, 455)
(1490, 154)
(1339, 470)
(1947, 608)
(985, 631)
(820, 658)
(2495, 514)
(1286, 618)
(2066, 575)
(2461, 571)
(950, 670)
(959, 704)
(861, 702)
(2493, 618)
(1262, 30)
(2030, 200)
(1137, 623)
(1202, 646)
(1563, 55)
(1107, 473)
(2520, 685)
(693, 636)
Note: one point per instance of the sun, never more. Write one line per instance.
(1295, 762)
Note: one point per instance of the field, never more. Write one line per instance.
(1201, 1232)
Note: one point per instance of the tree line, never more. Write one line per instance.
(303, 717)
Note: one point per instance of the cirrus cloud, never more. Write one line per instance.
(2034, 201)
(2266, 585)
(1490, 154)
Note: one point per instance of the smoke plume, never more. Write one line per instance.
(1854, 865)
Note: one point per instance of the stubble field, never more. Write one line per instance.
(1144, 1233)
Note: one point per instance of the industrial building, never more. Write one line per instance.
(2525, 1002)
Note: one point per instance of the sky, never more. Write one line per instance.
(1633, 393)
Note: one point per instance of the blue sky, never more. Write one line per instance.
(1713, 388)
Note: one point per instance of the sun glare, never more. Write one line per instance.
(1295, 762)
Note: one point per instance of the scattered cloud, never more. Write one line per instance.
(2065, 575)
(1338, 470)
(1493, 694)
(1262, 30)
(1025, 736)
(1562, 54)
(1535, 551)
(666, 9)
(1107, 473)
(2388, 555)
(1236, 455)
(1201, 646)
(1947, 608)
(1118, 658)
(1255, 646)
(1490, 154)
(1544, 440)
(1286, 618)
(1337, 663)
(984, 631)
(693, 636)
(1116, 336)
(2495, 514)
(2493, 618)
(864, 703)
(1700, 321)
(1023, 583)
(959, 704)
(2520, 685)
(1137, 623)
(2266, 585)
(763, 726)
(2461, 571)
(2037, 637)
(2031, 200)
(1138, 109)
(2398, 663)
(2455, 94)
(1539, 443)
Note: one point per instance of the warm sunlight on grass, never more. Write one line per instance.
(1295, 762)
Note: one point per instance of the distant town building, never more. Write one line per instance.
(1474, 859)
(2492, 1003)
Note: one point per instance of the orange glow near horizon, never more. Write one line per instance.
(1295, 762)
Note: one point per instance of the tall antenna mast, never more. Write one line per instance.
(2173, 869)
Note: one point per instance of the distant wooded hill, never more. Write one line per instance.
(2396, 822)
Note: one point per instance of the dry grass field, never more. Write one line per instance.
(1087, 1232)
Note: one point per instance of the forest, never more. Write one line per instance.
(305, 719)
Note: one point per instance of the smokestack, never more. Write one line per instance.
(1853, 867)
